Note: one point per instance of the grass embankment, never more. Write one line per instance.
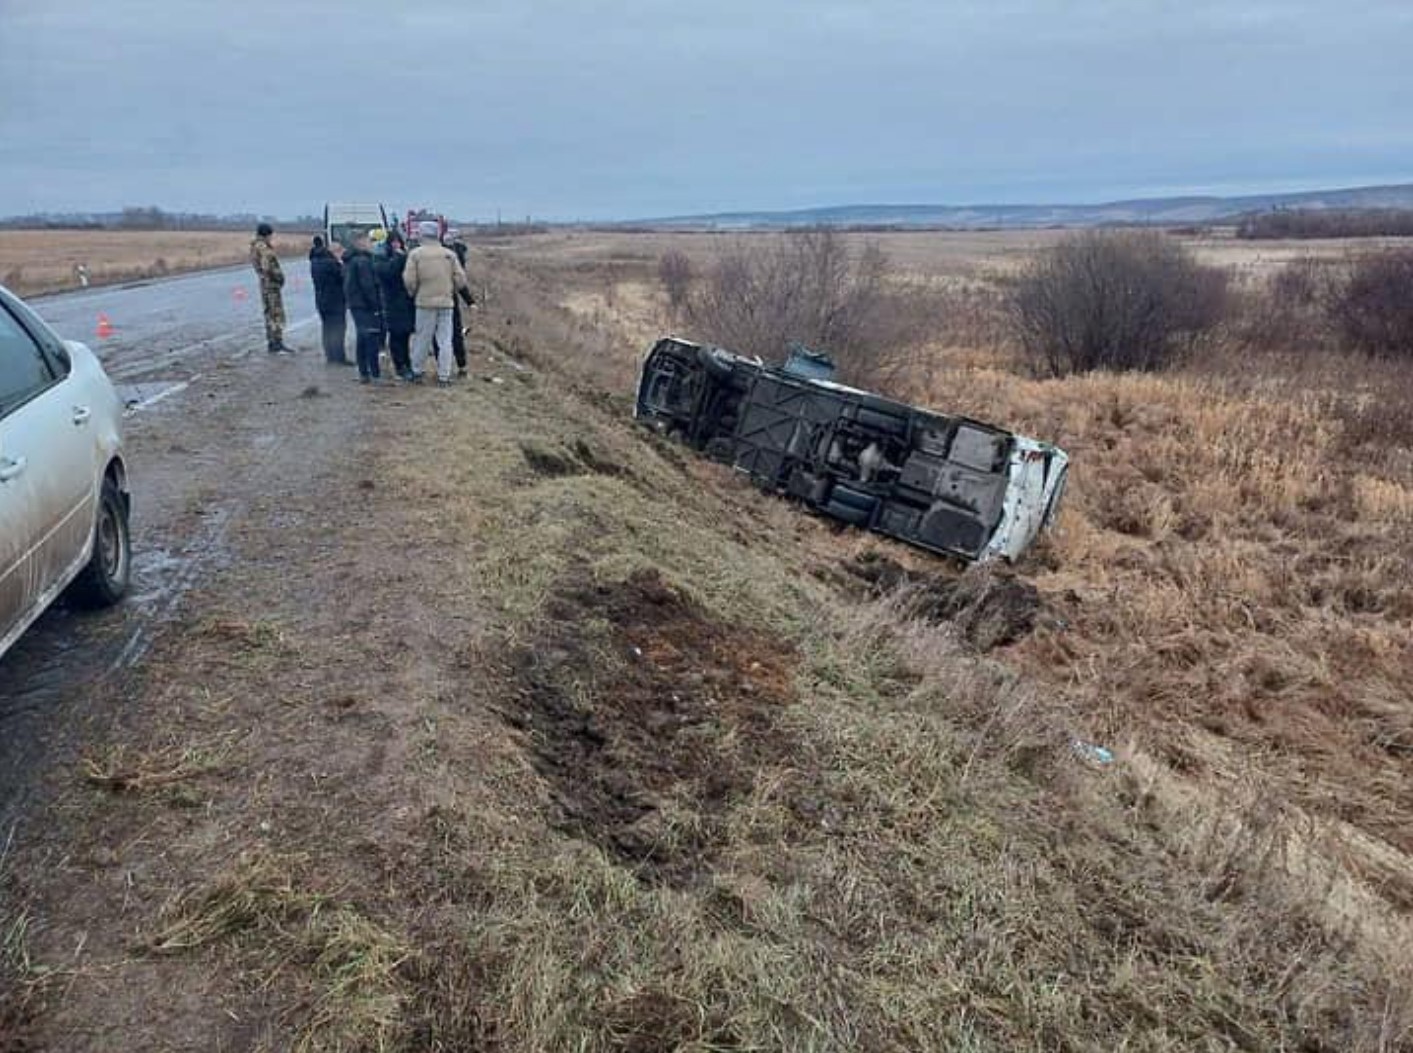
(1234, 564)
(569, 740)
(1233, 598)
(43, 261)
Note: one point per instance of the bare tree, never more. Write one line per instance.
(1290, 308)
(808, 286)
(1114, 300)
(676, 273)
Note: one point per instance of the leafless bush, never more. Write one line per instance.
(808, 286)
(1290, 310)
(1129, 300)
(968, 313)
(1373, 311)
(675, 272)
(1303, 282)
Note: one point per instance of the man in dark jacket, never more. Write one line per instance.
(360, 290)
(326, 272)
(399, 309)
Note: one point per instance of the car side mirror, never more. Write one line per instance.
(64, 359)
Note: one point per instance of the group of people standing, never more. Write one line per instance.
(411, 299)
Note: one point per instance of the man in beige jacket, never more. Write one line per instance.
(434, 276)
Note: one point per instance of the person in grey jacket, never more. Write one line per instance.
(433, 278)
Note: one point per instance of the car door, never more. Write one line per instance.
(46, 474)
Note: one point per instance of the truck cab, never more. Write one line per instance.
(343, 221)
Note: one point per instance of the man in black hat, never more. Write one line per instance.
(365, 303)
(326, 272)
(453, 241)
(272, 280)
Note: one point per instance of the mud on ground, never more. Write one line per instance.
(649, 718)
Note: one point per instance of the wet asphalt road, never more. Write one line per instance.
(174, 343)
(175, 322)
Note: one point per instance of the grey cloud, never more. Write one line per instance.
(568, 109)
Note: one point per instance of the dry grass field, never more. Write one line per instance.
(41, 261)
(1235, 552)
(1232, 577)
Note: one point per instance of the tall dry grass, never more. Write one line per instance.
(1233, 582)
(1235, 564)
(930, 865)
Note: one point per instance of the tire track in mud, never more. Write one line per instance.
(208, 451)
(209, 548)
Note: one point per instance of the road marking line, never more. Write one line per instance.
(122, 370)
(152, 400)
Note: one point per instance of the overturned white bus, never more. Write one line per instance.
(944, 483)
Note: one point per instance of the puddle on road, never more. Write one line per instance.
(49, 674)
(153, 570)
(66, 647)
(46, 670)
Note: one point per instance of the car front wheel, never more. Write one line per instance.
(104, 580)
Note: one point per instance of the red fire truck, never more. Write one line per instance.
(423, 215)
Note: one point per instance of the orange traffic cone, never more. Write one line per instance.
(105, 327)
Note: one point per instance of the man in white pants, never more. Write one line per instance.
(433, 276)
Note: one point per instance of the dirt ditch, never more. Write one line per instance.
(989, 607)
(576, 458)
(649, 718)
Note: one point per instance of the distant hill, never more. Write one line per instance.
(1162, 211)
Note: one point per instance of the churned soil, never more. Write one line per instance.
(651, 729)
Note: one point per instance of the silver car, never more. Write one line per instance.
(64, 499)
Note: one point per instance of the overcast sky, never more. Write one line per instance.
(635, 108)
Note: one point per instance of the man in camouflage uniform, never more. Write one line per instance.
(272, 280)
